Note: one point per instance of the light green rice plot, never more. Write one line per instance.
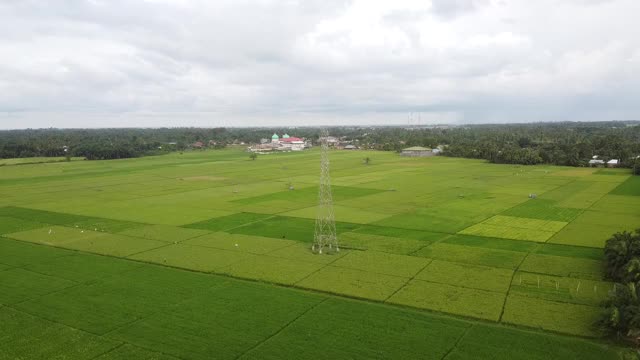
(562, 317)
(353, 282)
(394, 245)
(428, 219)
(473, 255)
(593, 228)
(544, 210)
(561, 289)
(164, 233)
(272, 269)
(587, 197)
(506, 232)
(621, 204)
(239, 242)
(525, 223)
(563, 266)
(479, 304)
(115, 245)
(345, 214)
(469, 276)
(303, 252)
(390, 202)
(517, 228)
(383, 263)
(266, 207)
(152, 214)
(584, 235)
(55, 235)
(192, 257)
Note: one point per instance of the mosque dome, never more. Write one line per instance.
(275, 137)
(285, 136)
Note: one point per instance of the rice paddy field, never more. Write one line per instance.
(207, 255)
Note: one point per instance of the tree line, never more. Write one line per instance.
(567, 143)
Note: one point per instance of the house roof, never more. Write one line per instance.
(416, 148)
(613, 161)
(596, 161)
(291, 139)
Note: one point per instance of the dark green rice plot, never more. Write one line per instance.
(631, 186)
(543, 209)
(101, 307)
(285, 227)
(127, 351)
(344, 329)
(19, 253)
(42, 216)
(221, 324)
(490, 342)
(10, 225)
(228, 222)
(28, 337)
(83, 267)
(491, 243)
(571, 251)
(18, 285)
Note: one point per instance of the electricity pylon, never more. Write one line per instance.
(325, 239)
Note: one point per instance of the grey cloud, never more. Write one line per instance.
(124, 63)
(453, 8)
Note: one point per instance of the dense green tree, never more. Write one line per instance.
(621, 314)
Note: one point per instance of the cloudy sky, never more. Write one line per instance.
(124, 63)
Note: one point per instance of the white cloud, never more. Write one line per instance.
(180, 62)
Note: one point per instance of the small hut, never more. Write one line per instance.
(417, 151)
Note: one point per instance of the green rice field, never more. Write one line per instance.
(206, 254)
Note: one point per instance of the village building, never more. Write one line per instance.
(198, 145)
(417, 151)
(613, 163)
(596, 163)
(284, 143)
(292, 143)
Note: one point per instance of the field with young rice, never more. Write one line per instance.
(440, 257)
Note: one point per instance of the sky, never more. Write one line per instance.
(173, 63)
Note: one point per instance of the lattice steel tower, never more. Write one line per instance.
(324, 237)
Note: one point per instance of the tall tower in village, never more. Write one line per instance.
(325, 239)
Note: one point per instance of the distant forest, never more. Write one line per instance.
(568, 143)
